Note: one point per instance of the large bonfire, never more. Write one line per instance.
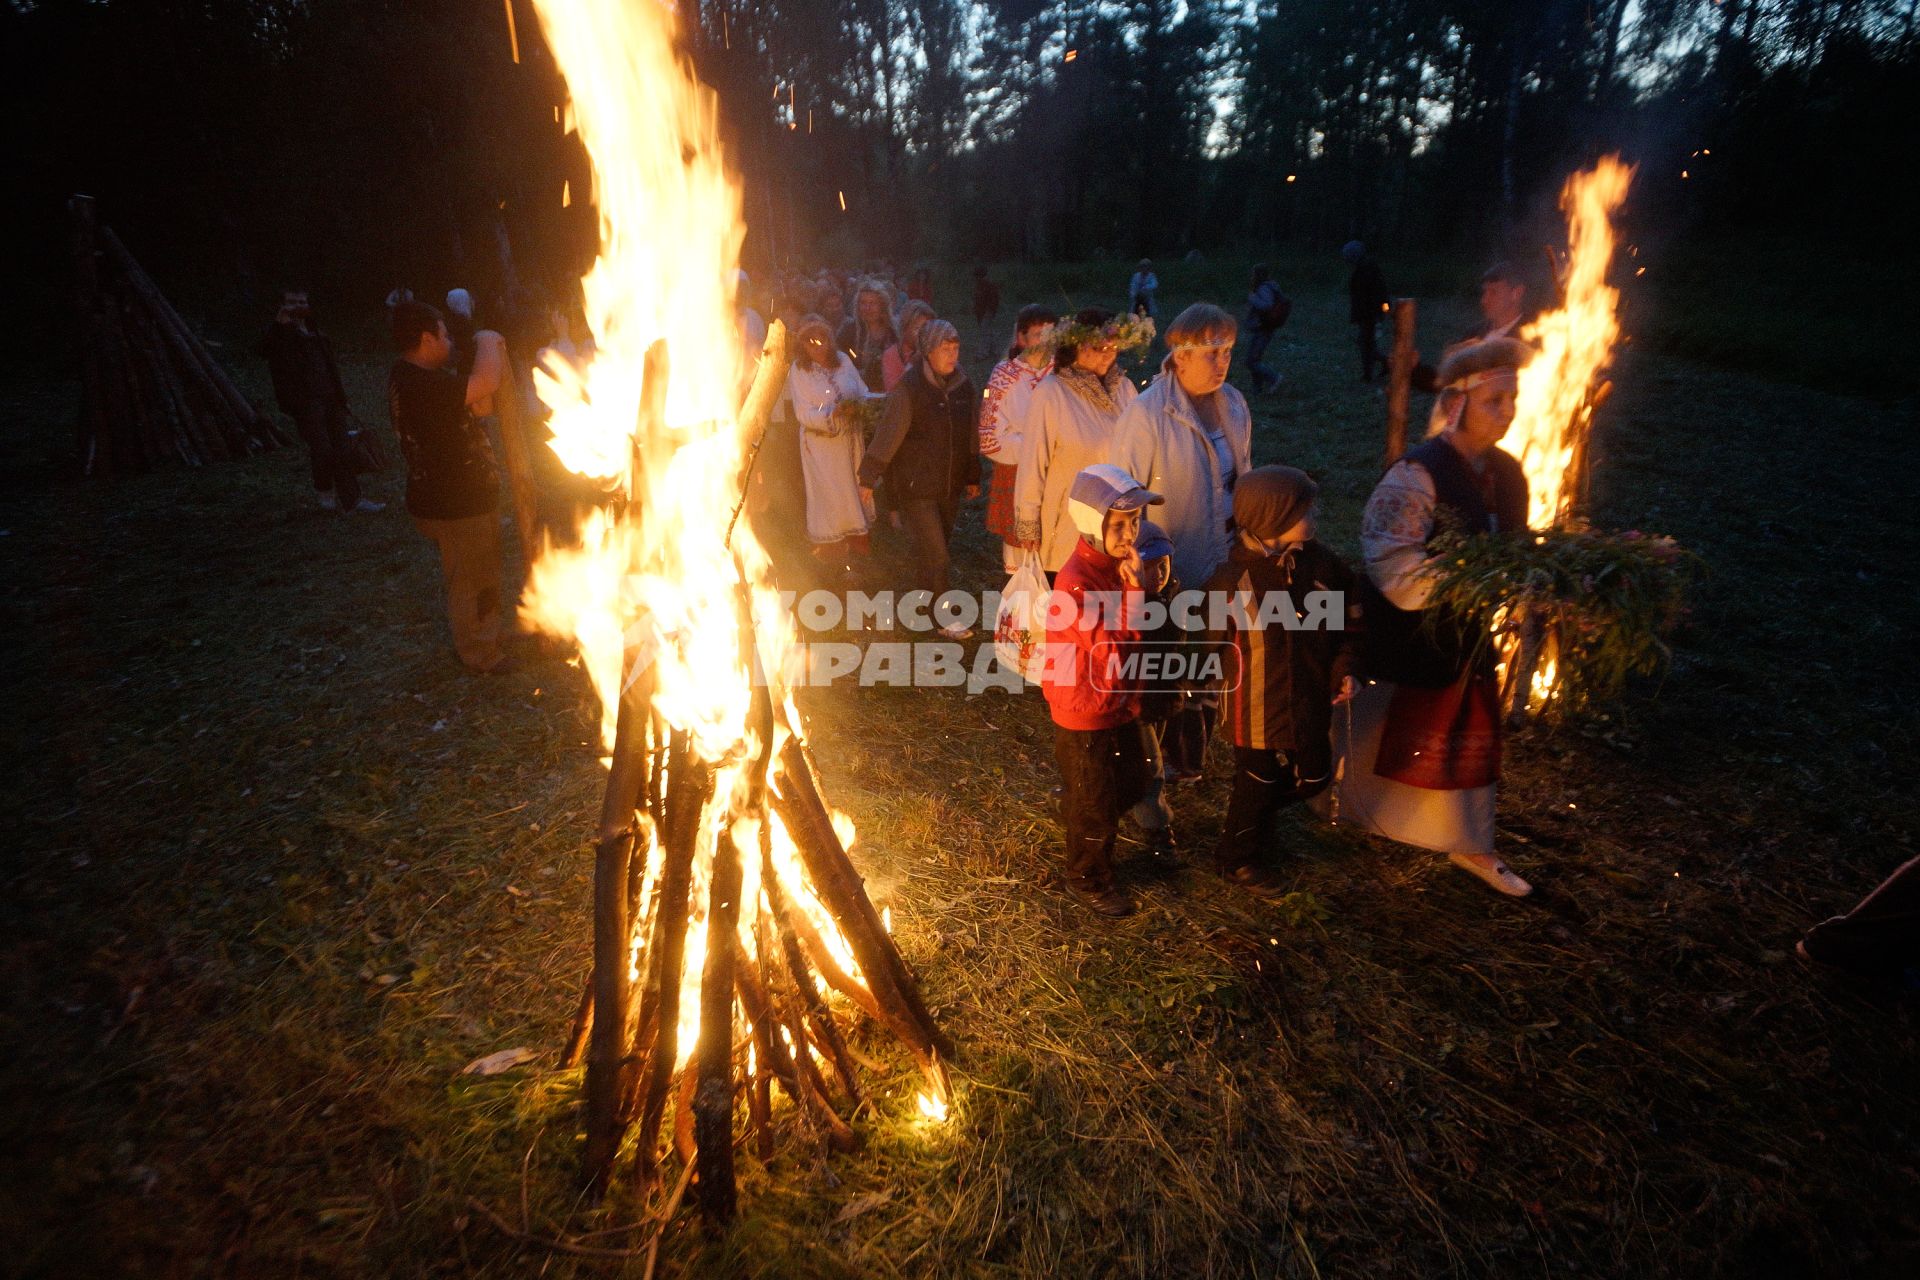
(733, 938)
(1559, 391)
(1575, 612)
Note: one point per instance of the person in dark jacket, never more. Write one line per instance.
(453, 486)
(307, 387)
(1267, 310)
(1293, 662)
(927, 448)
(1367, 301)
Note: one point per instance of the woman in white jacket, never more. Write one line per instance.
(1069, 425)
(1188, 437)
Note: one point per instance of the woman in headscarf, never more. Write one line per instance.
(821, 384)
(1189, 437)
(927, 448)
(1069, 426)
(868, 332)
(1003, 409)
(1422, 747)
(897, 358)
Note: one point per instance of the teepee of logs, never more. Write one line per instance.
(736, 953)
(153, 395)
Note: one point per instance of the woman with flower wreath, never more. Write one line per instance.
(1003, 408)
(1069, 426)
(1422, 744)
(868, 332)
(823, 386)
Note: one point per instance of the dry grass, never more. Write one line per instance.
(282, 871)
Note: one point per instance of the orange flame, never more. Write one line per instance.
(1554, 408)
(652, 583)
(1576, 342)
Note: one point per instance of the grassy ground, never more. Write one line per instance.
(282, 870)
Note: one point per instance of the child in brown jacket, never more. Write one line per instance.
(1293, 643)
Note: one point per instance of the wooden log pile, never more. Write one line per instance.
(754, 832)
(152, 394)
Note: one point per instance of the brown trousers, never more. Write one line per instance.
(470, 562)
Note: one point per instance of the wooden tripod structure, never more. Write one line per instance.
(153, 395)
(660, 814)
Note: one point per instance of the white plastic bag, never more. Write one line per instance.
(1020, 630)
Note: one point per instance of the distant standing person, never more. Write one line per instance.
(1503, 301)
(928, 448)
(986, 298)
(868, 332)
(453, 486)
(307, 387)
(1366, 302)
(1003, 412)
(1267, 310)
(1142, 288)
(460, 326)
(901, 355)
(920, 287)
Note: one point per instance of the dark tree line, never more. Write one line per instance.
(355, 144)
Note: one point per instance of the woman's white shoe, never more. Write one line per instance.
(1497, 874)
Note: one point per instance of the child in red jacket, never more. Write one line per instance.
(1091, 688)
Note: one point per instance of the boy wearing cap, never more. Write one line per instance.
(1290, 671)
(1092, 694)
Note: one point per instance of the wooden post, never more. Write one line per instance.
(713, 1092)
(687, 794)
(610, 1060)
(1400, 378)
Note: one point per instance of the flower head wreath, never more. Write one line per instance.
(1126, 332)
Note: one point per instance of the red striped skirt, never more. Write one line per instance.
(1000, 502)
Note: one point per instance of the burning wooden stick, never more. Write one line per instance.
(693, 810)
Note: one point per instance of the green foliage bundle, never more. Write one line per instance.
(861, 414)
(1605, 601)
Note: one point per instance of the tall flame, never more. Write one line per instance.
(1560, 387)
(1576, 346)
(653, 582)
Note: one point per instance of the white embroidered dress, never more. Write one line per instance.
(829, 451)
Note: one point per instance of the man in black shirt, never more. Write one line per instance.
(453, 488)
(306, 385)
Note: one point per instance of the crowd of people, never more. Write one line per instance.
(889, 427)
(1331, 672)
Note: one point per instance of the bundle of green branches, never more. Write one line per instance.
(861, 414)
(1603, 602)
